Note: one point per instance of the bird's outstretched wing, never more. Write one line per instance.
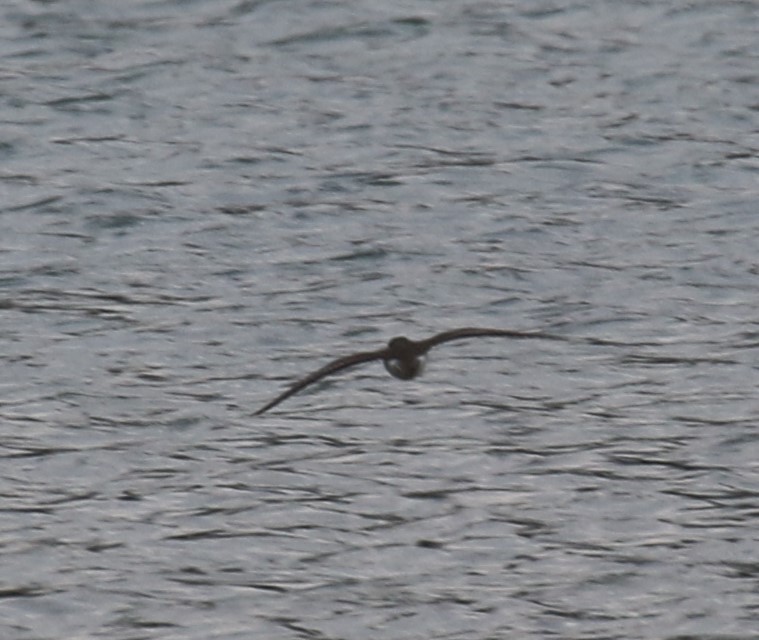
(332, 367)
(475, 332)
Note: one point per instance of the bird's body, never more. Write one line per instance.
(403, 358)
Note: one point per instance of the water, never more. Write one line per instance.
(202, 201)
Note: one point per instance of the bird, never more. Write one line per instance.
(403, 358)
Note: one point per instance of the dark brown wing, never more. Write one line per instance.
(475, 332)
(332, 367)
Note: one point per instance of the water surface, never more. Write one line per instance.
(202, 201)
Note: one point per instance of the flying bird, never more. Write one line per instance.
(403, 358)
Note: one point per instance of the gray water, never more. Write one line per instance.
(202, 201)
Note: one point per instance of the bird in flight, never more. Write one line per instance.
(403, 358)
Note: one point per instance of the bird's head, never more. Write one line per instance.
(404, 359)
(400, 346)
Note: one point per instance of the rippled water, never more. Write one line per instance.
(202, 201)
